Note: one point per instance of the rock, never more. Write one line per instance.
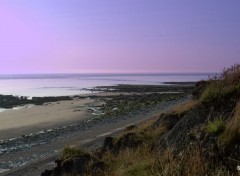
(47, 173)
(129, 140)
(67, 165)
(170, 120)
(108, 143)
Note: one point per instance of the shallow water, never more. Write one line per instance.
(72, 84)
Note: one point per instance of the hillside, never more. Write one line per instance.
(198, 137)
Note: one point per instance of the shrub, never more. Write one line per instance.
(69, 152)
(231, 75)
(215, 127)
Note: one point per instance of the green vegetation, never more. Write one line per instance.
(215, 127)
(219, 91)
(69, 152)
(223, 87)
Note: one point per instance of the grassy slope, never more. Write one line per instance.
(199, 137)
(210, 146)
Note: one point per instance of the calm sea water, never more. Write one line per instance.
(71, 84)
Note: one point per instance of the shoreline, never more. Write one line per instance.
(51, 112)
(91, 113)
(90, 136)
(11, 101)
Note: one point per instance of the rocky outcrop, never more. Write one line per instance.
(10, 101)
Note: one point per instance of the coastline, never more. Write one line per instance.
(89, 137)
(72, 121)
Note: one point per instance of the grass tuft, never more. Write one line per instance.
(231, 135)
(215, 127)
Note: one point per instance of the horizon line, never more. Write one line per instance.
(108, 73)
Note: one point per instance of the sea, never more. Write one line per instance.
(41, 85)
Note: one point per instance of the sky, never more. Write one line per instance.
(118, 36)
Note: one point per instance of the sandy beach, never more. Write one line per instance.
(32, 119)
(29, 119)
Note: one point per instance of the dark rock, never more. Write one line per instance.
(67, 165)
(169, 120)
(107, 144)
(47, 173)
(81, 164)
(129, 140)
(177, 136)
(58, 162)
(10, 101)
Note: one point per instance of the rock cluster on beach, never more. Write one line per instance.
(10, 101)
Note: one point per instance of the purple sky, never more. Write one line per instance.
(60, 36)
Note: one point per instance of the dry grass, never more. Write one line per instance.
(130, 162)
(231, 134)
(185, 106)
(141, 126)
(191, 162)
(219, 92)
(223, 87)
(188, 163)
(231, 75)
(136, 161)
(141, 161)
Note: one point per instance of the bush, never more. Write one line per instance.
(215, 127)
(231, 75)
(69, 152)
